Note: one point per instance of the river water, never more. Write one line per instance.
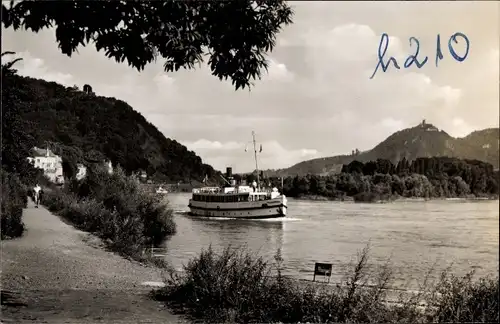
(415, 237)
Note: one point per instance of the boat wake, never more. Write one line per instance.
(253, 220)
(278, 220)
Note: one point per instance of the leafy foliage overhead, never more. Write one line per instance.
(235, 35)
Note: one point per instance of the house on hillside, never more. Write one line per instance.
(50, 163)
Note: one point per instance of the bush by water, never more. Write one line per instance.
(237, 287)
(117, 209)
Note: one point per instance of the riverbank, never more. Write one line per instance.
(115, 208)
(58, 274)
(236, 286)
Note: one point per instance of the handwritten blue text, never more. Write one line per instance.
(413, 59)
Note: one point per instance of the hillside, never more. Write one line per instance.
(81, 124)
(423, 140)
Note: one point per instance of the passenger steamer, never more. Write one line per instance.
(238, 201)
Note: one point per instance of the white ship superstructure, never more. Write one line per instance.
(238, 201)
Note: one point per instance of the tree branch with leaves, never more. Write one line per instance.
(233, 35)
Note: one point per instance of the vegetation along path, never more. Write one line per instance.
(58, 274)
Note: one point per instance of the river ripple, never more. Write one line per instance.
(415, 236)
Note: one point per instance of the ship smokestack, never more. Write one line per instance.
(229, 172)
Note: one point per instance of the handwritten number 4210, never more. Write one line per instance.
(384, 43)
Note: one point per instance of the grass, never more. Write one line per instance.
(115, 208)
(14, 199)
(237, 286)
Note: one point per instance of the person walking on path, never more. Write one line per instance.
(36, 191)
(40, 196)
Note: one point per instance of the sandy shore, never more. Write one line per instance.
(58, 274)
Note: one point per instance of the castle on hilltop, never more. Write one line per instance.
(428, 127)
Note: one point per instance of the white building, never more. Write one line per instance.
(50, 163)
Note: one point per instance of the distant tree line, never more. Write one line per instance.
(436, 177)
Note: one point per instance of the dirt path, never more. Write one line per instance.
(56, 274)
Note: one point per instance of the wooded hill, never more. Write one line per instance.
(81, 126)
(421, 141)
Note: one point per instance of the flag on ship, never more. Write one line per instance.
(246, 148)
(260, 148)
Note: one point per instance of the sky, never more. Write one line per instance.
(317, 98)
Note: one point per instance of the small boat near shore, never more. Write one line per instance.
(238, 201)
(161, 191)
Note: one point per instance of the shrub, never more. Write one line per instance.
(54, 200)
(456, 299)
(115, 208)
(14, 199)
(236, 286)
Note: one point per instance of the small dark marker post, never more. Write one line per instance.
(322, 269)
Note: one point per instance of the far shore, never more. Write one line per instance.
(391, 199)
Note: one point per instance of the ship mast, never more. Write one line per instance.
(256, 164)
